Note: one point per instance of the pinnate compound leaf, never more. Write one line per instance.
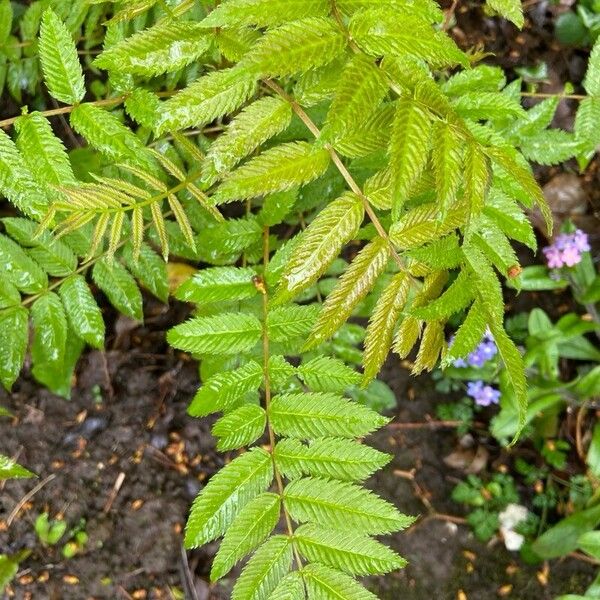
(343, 506)
(329, 458)
(210, 97)
(346, 551)
(60, 63)
(256, 124)
(383, 321)
(241, 427)
(251, 527)
(223, 390)
(327, 374)
(167, 46)
(226, 333)
(119, 286)
(265, 570)
(278, 169)
(14, 338)
(82, 311)
(324, 582)
(218, 284)
(9, 469)
(351, 288)
(296, 47)
(314, 415)
(320, 244)
(226, 494)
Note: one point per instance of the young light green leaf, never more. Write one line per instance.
(431, 346)
(218, 284)
(469, 334)
(165, 47)
(320, 244)
(314, 415)
(447, 162)
(351, 288)
(226, 494)
(458, 296)
(241, 427)
(330, 458)
(82, 310)
(278, 169)
(383, 321)
(342, 506)
(509, 9)
(9, 469)
(251, 527)
(324, 582)
(227, 333)
(60, 63)
(291, 320)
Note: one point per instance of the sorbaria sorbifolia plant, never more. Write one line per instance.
(319, 159)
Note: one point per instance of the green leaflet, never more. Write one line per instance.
(225, 389)
(43, 152)
(49, 344)
(17, 182)
(291, 320)
(382, 323)
(264, 13)
(9, 469)
(218, 284)
(14, 337)
(314, 415)
(324, 582)
(82, 311)
(408, 149)
(295, 47)
(476, 178)
(373, 135)
(551, 147)
(9, 294)
(291, 587)
(226, 494)
(354, 285)
(167, 46)
(241, 427)
(104, 132)
(60, 63)
(361, 88)
(6, 17)
(19, 269)
(227, 333)
(119, 286)
(479, 105)
(263, 572)
(149, 269)
(444, 253)
(510, 9)
(427, 9)
(482, 78)
(349, 552)
(320, 244)
(280, 371)
(331, 458)
(455, 298)
(256, 124)
(343, 506)
(231, 236)
(210, 97)
(278, 169)
(507, 215)
(251, 527)
(591, 83)
(431, 346)
(447, 164)
(53, 255)
(327, 374)
(380, 32)
(469, 334)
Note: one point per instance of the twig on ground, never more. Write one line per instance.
(114, 492)
(28, 496)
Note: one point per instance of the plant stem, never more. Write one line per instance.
(262, 288)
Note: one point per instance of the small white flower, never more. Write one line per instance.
(509, 518)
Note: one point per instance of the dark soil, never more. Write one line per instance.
(127, 422)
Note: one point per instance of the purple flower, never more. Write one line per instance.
(486, 350)
(566, 249)
(483, 394)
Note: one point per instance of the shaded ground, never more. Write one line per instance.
(139, 433)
